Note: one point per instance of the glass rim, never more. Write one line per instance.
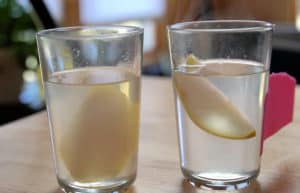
(211, 26)
(113, 31)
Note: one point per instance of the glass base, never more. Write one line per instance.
(119, 187)
(228, 182)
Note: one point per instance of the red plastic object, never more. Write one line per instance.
(279, 103)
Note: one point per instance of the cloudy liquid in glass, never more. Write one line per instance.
(94, 114)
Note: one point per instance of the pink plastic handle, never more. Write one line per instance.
(279, 104)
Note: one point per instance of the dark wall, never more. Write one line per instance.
(286, 61)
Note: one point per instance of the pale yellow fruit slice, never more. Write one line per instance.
(220, 67)
(104, 136)
(191, 59)
(210, 109)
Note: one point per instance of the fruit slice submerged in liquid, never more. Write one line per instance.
(103, 136)
(208, 107)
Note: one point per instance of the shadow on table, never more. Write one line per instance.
(131, 189)
(188, 188)
(58, 190)
(278, 185)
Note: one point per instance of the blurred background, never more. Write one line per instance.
(21, 91)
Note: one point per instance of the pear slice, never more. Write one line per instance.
(104, 135)
(209, 108)
(191, 59)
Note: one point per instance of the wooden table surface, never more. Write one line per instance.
(26, 164)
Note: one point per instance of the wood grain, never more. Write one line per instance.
(26, 164)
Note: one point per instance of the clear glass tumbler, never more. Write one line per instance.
(220, 75)
(91, 78)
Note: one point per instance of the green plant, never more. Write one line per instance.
(17, 30)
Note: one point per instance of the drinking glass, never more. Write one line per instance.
(91, 77)
(220, 72)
